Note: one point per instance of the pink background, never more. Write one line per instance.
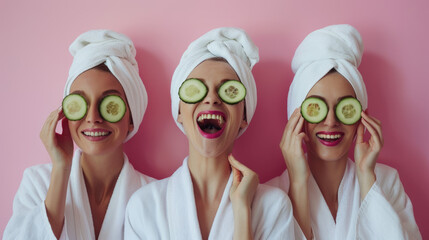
(34, 63)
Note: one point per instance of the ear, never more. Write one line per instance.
(179, 116)
(243, 124)
(130, 127)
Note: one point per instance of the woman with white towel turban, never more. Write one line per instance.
(212, 195)
(83, 194)
(334, 197)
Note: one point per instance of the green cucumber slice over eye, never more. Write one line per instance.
(232, 92)
(112, 108)
(348, 110)
(314, 110)
(192, 91)
(74, 107)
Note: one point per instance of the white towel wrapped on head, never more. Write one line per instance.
(336, 47)
(118, 53)
(232, 44)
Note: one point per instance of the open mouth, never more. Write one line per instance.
(330, 138)
(211, 123)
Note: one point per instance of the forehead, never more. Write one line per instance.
(332, 86)
(96, 81)
(213, 70)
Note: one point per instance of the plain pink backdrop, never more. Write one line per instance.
(34, 63)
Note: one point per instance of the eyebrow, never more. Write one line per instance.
(341, 98)
(78, 92)
(317, 96)
(338, 99)
(111, 91)
(221, 82)
(107, 92)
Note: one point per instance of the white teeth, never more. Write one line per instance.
(96, 134)
(329, 136)
(211, 116)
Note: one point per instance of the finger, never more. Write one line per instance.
(65, 126)
(239, 166)
(360, 132)
(374, 122)
(236, 175)
(291, 125)
(372, 118)
(374, 134)
(299, 125)
(48, 129)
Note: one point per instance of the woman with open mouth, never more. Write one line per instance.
(334, 197)
(212, 195)
(82, 194)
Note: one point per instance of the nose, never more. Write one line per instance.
(331, 120)
(212, 97)
(93, 115)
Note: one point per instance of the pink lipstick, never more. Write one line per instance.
(96, 134)
(330, 139)
(211, 124)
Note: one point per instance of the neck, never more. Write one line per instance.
(328, 175)
(209, 174)
(101, 172)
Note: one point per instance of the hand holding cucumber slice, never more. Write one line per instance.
(74, 107)
(232, 92)
(314, 109)
(348, 110)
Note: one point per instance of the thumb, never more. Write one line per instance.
(236, 178)
(65, 126)
(359, 133)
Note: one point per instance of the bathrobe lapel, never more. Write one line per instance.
(182, 212)
(78, 210)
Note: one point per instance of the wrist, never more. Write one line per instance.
(365, 173)
(241, 209)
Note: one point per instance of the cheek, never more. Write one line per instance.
(73, 126)
(351, 131)
(308, 128)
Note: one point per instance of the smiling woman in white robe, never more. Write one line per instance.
(212, 195)
(334, 197)
(83, 194)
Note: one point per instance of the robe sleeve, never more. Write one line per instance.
(144, 214)
(387, 212)
(274, 219)
(29, 218)
(132, 224)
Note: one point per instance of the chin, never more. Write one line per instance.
(332, 156)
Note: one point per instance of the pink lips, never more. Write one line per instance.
(211, 135)
(95, 134)
(332, 142)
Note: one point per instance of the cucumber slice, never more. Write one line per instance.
(112, 108)
(348, 110)
(314, 109)
(192, 91)
(232, 92)
(74, 107)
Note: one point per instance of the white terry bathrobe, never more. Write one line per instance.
(166, 209)
(30, 221)
(385, 213)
